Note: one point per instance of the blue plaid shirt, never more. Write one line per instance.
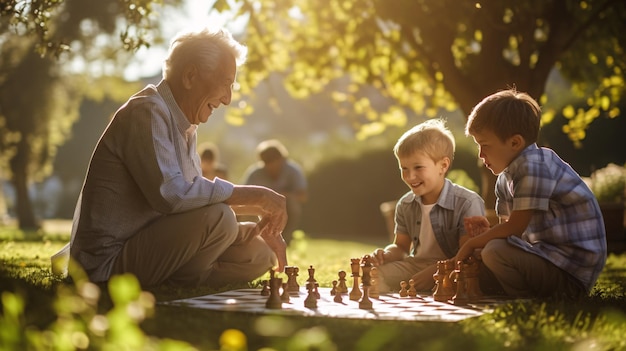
(567, 227)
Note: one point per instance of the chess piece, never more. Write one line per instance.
(311, 299)
(461, 297)
(342, 287)
(355, 293)
(316, 290)
(274, 301)
(292, 282)
(284, 297)
(443, 286)
(265, 290)
(411, 292)
(403, 290)
(373, 291)
(333, 291)
(471, 268)
(311, 275)
(365, 303)
(338, 298)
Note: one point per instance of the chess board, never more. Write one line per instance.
(386, 307)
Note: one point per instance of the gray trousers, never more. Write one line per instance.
(422, 270)
(202, 247)
(523, 274)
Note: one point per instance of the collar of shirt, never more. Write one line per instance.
(191, 131)
(445, 200)
(182, 123)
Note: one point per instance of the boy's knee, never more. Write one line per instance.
(492, 250)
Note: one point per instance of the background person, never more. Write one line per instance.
(210, 161)
(277, 171)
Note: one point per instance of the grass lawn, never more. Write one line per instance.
(53, 309)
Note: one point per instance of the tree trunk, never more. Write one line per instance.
(23, 206)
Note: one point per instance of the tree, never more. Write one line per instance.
(426, 55)
(40, 94)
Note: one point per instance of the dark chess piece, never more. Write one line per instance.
(265, 290)
(342, 287)
(311, 299)
(284, 297)
(311, 275)
(338, 298)
(365, 303)
(292, 282)
(274, 301)
(355, 293)
(333, 291)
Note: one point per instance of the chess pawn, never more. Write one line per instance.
(342, 288)
(403, 290)
(333, 291)
(461, 297)
(311, 299)
(274, 301)
(292, 282)
(284, 297)
(338, 298)
(412, 292)
(265, 291)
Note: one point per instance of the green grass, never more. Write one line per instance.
(594, 323)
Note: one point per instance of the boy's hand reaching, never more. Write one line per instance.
(476, 225)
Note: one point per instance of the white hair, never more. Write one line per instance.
(205, 48)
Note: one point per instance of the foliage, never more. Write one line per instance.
(425, 55)
(608, 184)
(52, 52)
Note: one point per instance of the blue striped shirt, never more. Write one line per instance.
(145, 166)
(567, 226)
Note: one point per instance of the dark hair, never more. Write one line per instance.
(506, 113)
(271, 150)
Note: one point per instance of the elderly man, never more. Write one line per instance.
(145, 208)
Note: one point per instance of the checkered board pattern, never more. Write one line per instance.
(386, 307)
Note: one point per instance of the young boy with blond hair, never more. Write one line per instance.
(551, 238)
(429, 219)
